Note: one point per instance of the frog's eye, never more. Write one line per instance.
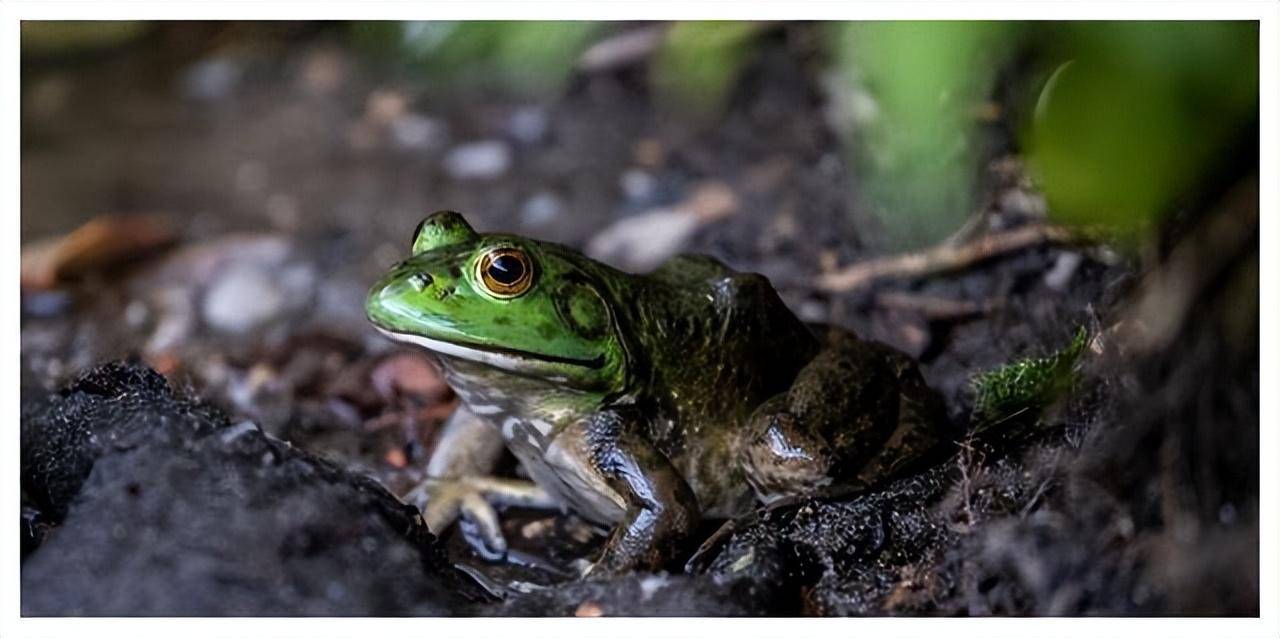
(505, 272)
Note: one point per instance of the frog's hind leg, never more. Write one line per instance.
(922, 431)
(841, 409)
(459, 485)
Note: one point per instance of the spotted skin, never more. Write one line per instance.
(649, 402)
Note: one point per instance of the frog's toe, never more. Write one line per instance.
(481, 527)
(470, 498)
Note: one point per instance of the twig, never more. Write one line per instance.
(934, 308)
(944, 257)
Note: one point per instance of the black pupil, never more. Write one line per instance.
(506, 269)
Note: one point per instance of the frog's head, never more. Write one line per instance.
(514, 304)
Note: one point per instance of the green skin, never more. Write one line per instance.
(652, 401)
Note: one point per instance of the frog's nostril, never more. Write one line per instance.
(420, 281)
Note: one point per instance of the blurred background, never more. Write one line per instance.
(214, 198)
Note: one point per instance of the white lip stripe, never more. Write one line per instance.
(495, 359)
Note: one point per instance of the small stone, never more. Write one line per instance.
(540, 209)
(712, 200)
(478, 160)
(812, 311)
(1064, 267)
(209, 80)
(45, 303)
(396, 458)
(418, 133)
(642, 242)
(385, 106)
(649, 153)
(637, 185)
(136, 314)
(241, 300)
(324, 71)
(538, 528)
(407, 373)
(528, 124)
(589, 609)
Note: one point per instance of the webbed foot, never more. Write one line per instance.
(470, 500)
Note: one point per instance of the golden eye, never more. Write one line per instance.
(505, 272)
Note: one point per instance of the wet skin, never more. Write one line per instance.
(646, 402)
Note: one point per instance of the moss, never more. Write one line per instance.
(1019, 392)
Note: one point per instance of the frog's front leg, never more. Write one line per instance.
(660, 507)
(458, 483)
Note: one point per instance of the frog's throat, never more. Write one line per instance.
(503, 358)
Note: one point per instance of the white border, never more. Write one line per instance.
(11, 11)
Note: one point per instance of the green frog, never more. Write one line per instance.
(646, 402)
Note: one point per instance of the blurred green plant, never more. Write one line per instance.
(1138, 118)
(523, 58)
(59, 37)
(1140, 115)
(699, 63)
(1019, 392)
(910, 119)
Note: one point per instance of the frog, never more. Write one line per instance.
(646, 403)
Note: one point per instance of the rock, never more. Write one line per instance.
(165, 507)
(324, 71)
(408, 373)
(210, 80)
(540, 209)
(417, 132)
(487, 159)
(528, 124)
(244, 298)
(1064, 268)
(44, 304)
(637, 185)
(643, 241)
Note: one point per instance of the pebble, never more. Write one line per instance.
(486, 159)
(175, 319)
(209, 80)
(45, 304)
(529, 124)
(417, 132)
(541, 208)
(1064, 267)
(407, 373)
(641, 242)
(637, 185)
(244, 298)
(324, 71)
(589, 609)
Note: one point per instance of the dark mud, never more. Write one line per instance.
(155, 504)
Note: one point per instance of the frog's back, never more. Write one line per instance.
(714, 344)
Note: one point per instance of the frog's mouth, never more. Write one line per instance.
(496, 356)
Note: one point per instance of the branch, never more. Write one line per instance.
(944, 257)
